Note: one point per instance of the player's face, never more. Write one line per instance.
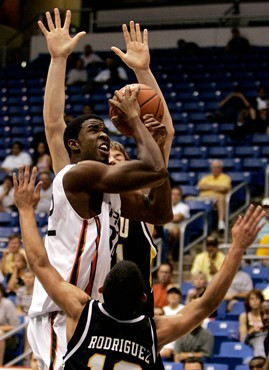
(265, 314)
(115, 156)
(94, 141)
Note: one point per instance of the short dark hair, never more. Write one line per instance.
(17, 142)
(14, 236)
(123, 289)
(73, 128)
(212, 240)
(173, 289)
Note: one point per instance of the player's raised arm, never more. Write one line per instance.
(244, 233)
(137, 58)
(60, 45)
(26, 195)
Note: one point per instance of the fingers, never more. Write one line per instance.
(132, 31)
(33, 177)
(42, 28)
(126, 34)
(127, 91)
(57, 18)
(38, 188)
(20, 176)
(67, 20)
(26, 175)
(145, 36)
(15, 182)
(50, 22)
(118, 52)
(138, 33)
(134, 92)
(78, 37)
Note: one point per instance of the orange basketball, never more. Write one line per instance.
(149, 102)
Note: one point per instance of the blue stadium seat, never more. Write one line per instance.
(213, 139)
(237, 309)
(215, 367)
(220, 152)
(173, 366)
(238, 177)
(223, 330)
(5, 232)
(259, 274)
(181, 178)
(194, 152)
(188, 190)
(246, 151)
(199, 165)
(233, 353)
(242, 367)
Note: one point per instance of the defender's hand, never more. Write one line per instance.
(26, 194)
(59, 42)
(137, 49)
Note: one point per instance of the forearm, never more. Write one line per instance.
(146, 77)
(221, 282)
(148, 151)
(33, 244)
(54, 97)
(160, 201)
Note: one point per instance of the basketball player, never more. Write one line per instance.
(112, 335)
(83, 222)
(138, 59)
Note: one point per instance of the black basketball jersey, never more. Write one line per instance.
(135, 244)
(101, 341)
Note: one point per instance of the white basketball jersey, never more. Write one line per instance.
(80, 249)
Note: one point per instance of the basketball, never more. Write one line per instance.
(149, 102)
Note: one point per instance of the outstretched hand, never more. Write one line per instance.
(246, 228)
(59, 42)
(26, 194)
(137, 49)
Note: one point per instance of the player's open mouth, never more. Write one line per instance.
(104, 147)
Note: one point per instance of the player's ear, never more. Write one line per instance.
(73, 144)
(100, 290)
(144, 298)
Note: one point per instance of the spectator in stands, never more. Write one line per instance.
(240, 287)
(256, 363)
(199, 344)
(41, 157)
(89, 57)
(215, 186)
(265, 321)
(262, 251)
(265, 229)
(7, 195)
(261, 105)
(8, 319)
(237, 44)
(45, 193)
(13, 247)
(193, 364)
(210, 261)
(181, 211)
(174, 301)
(77, 75)
(199, 282)
(112, 74)
(187, 48)
(251, 329)
(164, 274)
(14, 279)
(235, 108)
(16, 159)
(24, 293)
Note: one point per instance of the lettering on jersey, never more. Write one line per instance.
(114, 218)
(121, 345)
(124, 227)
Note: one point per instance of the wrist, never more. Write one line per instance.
(141, 71)
(26, 210)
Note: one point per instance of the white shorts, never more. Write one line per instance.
(47, 338)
